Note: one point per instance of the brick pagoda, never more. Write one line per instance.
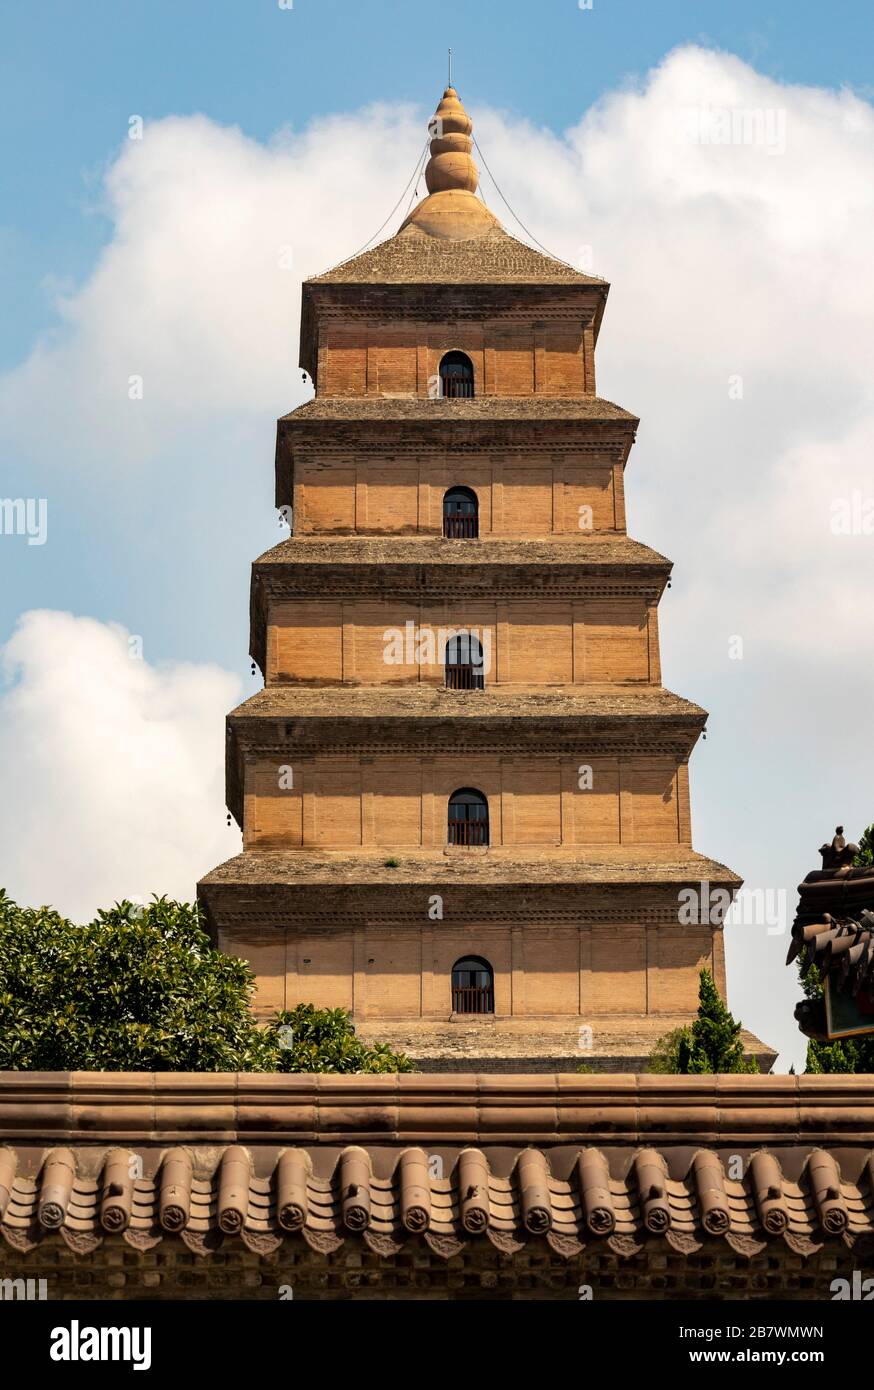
(463, 790)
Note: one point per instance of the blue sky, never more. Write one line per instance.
(72, 74)
(266, 127)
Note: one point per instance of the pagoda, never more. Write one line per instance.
(463, 789)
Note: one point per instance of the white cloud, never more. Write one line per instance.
(194, 293)
(745, 260)
(113, 768)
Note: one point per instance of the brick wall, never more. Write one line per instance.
(548, 642)
(402, 803)
(115, 1271)
(526, 496)
(508, 360)
(573, 971)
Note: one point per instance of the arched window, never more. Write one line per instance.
(468, 818)
(460, 514)
(456, 375)
(473, 986)
(465, 669)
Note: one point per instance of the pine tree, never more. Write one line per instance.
(715, 1044)
(866, 849)
(711, 1045)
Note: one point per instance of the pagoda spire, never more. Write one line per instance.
(451, 164)
(452, 209)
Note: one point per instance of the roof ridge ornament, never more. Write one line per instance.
(839, 854)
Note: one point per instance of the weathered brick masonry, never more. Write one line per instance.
(456, 478)
(117, 1272)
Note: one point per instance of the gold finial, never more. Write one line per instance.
(451, 165)
(451, 210)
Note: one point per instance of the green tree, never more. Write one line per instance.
(866, 848)
(842, 1055)
(143, 989)
(711, 1044)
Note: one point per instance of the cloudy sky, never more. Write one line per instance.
(723, 181)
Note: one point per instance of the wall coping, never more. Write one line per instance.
(625, 1108)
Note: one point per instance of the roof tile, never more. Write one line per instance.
(412, 257)
(443, 410)
(568, 1198)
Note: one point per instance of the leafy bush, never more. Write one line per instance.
(665, 1056)
(310, 1039)
(143, 989)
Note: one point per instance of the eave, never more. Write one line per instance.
(375, 424)
(430, 567)
(326, 891)
(285, 721)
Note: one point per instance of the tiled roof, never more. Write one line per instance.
(572, 1197)
(833, 894)
(411, 257)
(595, 551)
(641, 864)
(481, 409)
(426, 702)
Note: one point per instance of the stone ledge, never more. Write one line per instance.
(604, 704)
(479, 410)
(647, 865)
(614, 1043)
(596, 551)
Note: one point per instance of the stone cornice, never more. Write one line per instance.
(431, 306)
(431, 554)
(262, 890)
(480, 413)
(316, 912)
